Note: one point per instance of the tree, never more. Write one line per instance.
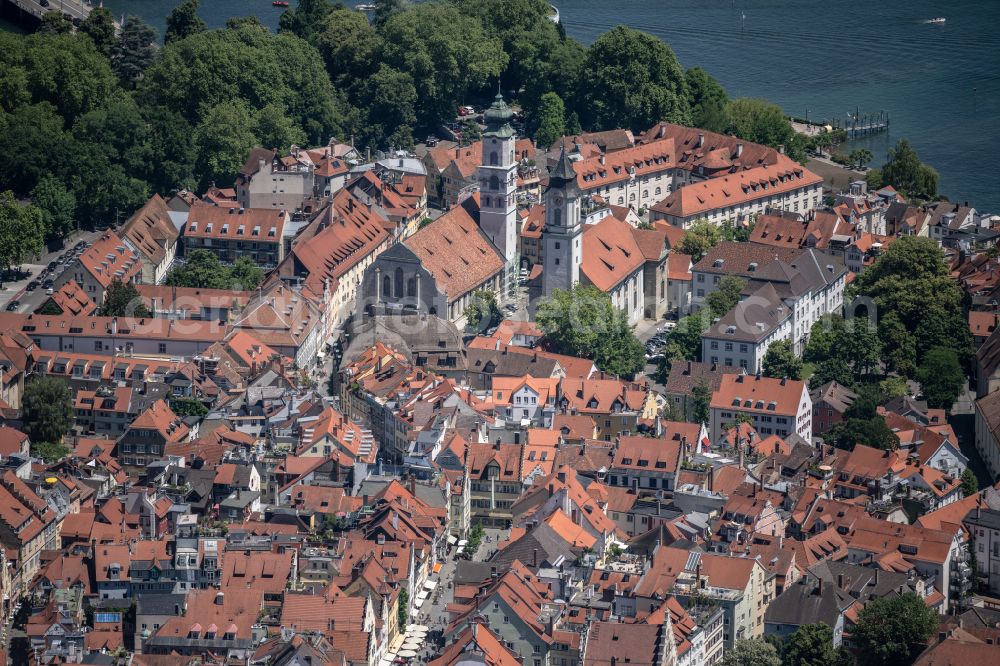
(100, 27)
(122, 299)
(583, 322)
(619, 352)
(471, 132)
(202, 270)
(726, 295)
(47, 408)
(912, 280)
(970, 485)
(134, 51)
(482, 313)
(752, 652)
(245, 275)
(183, 21)
(812, 645)
(272, 127)
(863, 424)
(708, 99)
(760, 122)
(386, 9)
(822, 337)
(780, 361)
(941, 378)
(860, 156)
(899, 347)
(22, 231)
(633, 81)
(890, 630)
(551, 120)
(49, 452)
(306, 18)
(54, 23)
(188, 407)
(684, 340)
(57, 205)
(446, 53)
(858, 343)
(243, 66)
(699, 239)
(701, 399)
(832, 370)
(904, 171)
(224, 139)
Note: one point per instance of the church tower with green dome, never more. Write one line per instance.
(497, 176)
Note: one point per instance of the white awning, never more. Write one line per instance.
(422, 594)
(463, 542)
(430, 584)
(460, 550)
(452, 540)
(418, 602)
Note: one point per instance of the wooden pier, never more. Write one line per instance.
(858, 124)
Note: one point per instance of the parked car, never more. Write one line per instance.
(33, 285)
(48, 284)
(431, 141)
(49, 291)
(13, 305)
(52, 265)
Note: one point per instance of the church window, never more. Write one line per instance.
(557, 216)
(494, 183)
(411, 286)
(494, 159)
(399, 282)
(386, 286)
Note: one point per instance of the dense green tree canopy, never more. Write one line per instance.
(22, 231)
(941, 378)
(890, 630)
(447, 54)
(202, 269)
(122, 300)
(752, 652)
(760, 122)
(133, 52)
(57, 205)
(100, 27)
(912, 282)
(551, 119)
(244, 65)
(634, 81)
(583, 322)
(48, 409)
(184, 21)
(780, 361)
(726, 295)
(812, 645)
(701, 237)
(709, 101)
(904, 171)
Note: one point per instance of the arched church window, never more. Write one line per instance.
(411, 287)
(399, 282)
(494, 158)
(557, 217)
(386, 286)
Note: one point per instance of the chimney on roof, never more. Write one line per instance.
(534, 557)
(601, 158)
(701, 140)
(739, 150)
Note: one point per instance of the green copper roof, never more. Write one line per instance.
(497, 118)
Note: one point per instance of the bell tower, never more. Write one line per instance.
(497, 176)
(561, 243)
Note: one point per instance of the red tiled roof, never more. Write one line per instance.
(456, 251)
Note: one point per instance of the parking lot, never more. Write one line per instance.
(28, 288)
